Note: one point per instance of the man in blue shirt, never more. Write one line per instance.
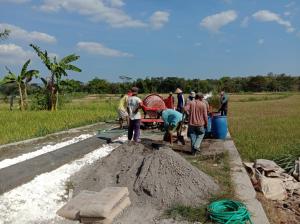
(172, 121)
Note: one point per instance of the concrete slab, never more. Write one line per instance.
(243, 186)
(103, 202)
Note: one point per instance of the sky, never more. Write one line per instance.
(149, 38)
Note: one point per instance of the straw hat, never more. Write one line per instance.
(178, 90)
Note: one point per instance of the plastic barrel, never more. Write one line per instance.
(219, 127)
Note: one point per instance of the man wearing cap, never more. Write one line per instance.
(180, 100)
(133, 106)
(197, 111)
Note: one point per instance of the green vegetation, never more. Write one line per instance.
(266, 128)
(57, 70)
(219, 169)
(271, 82)
(22, 80)
(16, 125)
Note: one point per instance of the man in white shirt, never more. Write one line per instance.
(133, 106)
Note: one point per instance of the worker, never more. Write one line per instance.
(224, 103)
(170, 101)
(180, 100)
(122, 109)
(133, 106)
(191, 97)
(172, 121)
(197, 111)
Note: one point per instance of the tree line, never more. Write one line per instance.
(270, 82)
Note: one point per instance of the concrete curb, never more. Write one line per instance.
(243, 186)
(73, 130)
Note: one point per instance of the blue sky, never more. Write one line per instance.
(140, 38)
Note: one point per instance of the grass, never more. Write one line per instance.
(266, 128)
(258, 97)
(219, 169)
(16, 125)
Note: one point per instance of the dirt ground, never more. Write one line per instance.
(156, 179)
(282, 212)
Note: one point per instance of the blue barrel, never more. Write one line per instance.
(219, 127)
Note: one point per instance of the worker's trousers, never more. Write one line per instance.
(134, 130)
(196, 133)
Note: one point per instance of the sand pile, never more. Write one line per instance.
(162, 176)
(155, 178)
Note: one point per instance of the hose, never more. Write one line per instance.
(228, 211)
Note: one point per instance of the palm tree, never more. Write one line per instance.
(57, 70)
(22, 81)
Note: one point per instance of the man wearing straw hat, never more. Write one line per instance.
(180, 100)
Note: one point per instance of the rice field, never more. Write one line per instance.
(265, 128)
(16, 125)
(262, 125)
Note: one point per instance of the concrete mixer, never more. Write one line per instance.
(152, 103)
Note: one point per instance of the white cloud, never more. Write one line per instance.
(178, 36)
(261, 41)
(159, 19)
(116, 3)
(11, 54)
(21, 34)
(98, 48)
(198, 44)
(216, 21)
(108, 11)
(287, 13)
(267, 16)
(245, 22)
(15, 1)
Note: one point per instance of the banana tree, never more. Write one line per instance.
(57, 70)
(21, 81)
(27, 77)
